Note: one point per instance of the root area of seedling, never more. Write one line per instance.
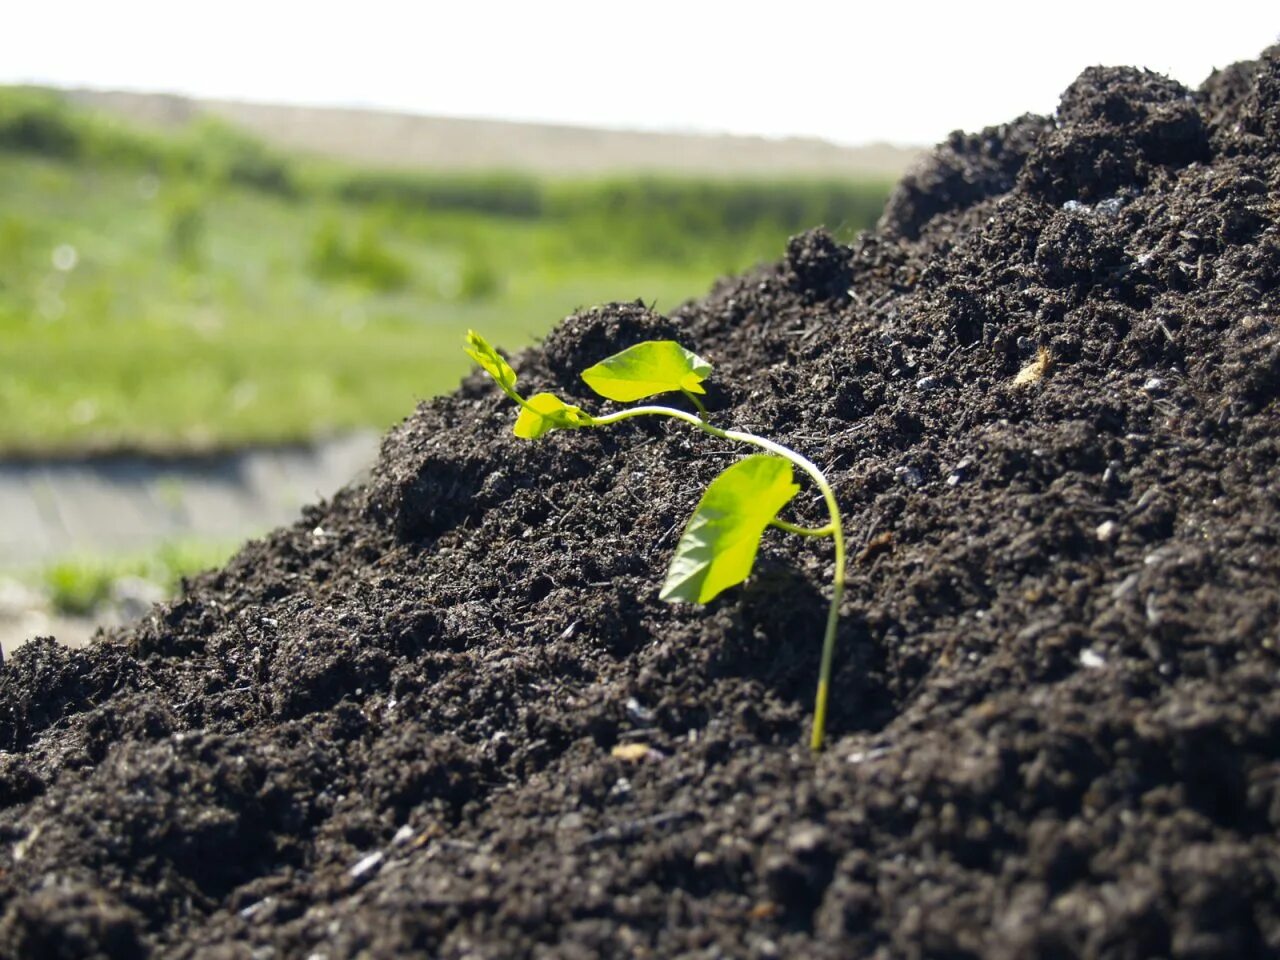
(447, 715)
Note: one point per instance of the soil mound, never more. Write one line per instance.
(1047, 391)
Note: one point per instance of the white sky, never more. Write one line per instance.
(908, 72)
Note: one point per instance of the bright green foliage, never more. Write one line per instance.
(481, 351)
(647, 369)
(718, 547)
(720, 542)
(539, 414)
(544, 412)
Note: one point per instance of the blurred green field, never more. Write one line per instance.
(80, 585)
(193, 291)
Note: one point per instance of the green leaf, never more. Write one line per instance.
(544, 412)
(649, 368)
(481, 351)
(719, 544)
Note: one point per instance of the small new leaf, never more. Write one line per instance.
(544, 412)
(649, 368)
(719, 544)
(481, 351)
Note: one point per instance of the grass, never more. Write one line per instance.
(236, 336)
(82, 584)
(199, 291)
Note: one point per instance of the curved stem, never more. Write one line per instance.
(803, 531)
(656, 411)
(511, 392)
(693, 398)
(837, 532)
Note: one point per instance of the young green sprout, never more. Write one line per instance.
(718, 547)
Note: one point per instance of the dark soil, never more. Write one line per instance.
(389, 731)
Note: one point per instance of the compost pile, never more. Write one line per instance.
(1047, 392)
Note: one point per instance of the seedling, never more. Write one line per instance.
(718, 547)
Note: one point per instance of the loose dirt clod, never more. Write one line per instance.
(1044, 741)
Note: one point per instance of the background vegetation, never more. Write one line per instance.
(198, 289)
(80, 584)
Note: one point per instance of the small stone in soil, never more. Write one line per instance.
(367, 864)
(1090, 659)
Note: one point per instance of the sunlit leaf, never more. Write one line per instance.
(481, 351)
(649, 368)
(548, 412)
(719, 544)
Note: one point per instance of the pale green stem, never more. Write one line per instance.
(511, 392)
(803, 531)
(836, 531)
(693, 398)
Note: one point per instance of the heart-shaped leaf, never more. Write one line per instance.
(718, 547)
(649, 368)
(544, 412)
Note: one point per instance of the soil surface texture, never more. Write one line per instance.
(1047, 392)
